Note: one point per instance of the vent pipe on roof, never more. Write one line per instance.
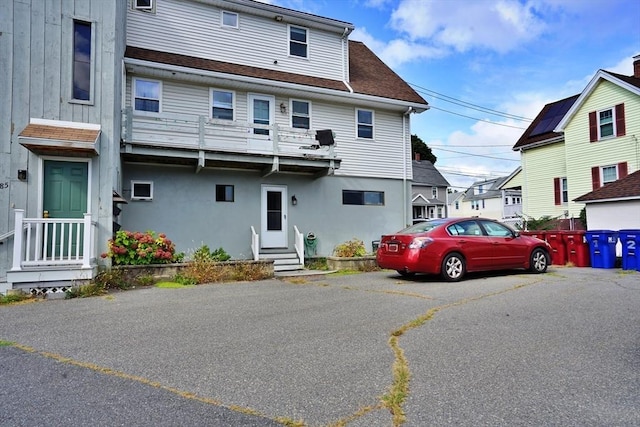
(636, 66)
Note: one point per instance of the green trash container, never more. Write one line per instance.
(310, 245)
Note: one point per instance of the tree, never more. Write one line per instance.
(418, 146)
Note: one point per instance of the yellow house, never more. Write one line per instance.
(578, 144)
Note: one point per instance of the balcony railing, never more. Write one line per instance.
(53, 242)
(194, 132)
(512, 211)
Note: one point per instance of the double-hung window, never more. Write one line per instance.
(601, 175)
(365, 123)
(434, 192)
(147, 95)
(82, 61)
(300, 114)
(222, 102)
(607, 123)
(560, 191)
(298, 42)
(609, 174)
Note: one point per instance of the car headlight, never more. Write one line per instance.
(420, 242)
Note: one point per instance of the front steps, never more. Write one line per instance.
(284, 261)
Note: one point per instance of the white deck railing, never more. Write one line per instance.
(255, 244)
(53, 242)
(193, 132)
(299, 244)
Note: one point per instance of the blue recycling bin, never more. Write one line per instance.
(630, 241)
(602, 247)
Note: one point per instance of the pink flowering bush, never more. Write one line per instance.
(136, 248)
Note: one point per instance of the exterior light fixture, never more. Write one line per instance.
(283, 108)
(294, 200)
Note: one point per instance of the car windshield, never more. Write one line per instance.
(422, 227)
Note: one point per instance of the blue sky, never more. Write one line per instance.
(509, 56)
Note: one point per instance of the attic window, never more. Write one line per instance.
(298, 42)
(229, 19)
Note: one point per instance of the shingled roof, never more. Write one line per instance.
(625, 188)
(369, 75)
(425, 173)
(541, 128)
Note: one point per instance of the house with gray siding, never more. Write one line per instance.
(429, 191)
(227, 123)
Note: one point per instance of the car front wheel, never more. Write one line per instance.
(539, 261)
(453, 267)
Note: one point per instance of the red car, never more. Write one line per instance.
(454, 246)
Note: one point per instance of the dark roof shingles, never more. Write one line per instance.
(528, 139)
(626, 187)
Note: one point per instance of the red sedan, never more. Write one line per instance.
(454, 246)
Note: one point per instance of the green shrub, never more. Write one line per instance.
(350, 249)
(136, 248)
(203, 253)
(13, 298)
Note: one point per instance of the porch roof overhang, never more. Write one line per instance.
(266, 164)
(54, 137)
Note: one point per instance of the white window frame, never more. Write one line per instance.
(292, 112)
(134, 82)
(602, 168)
(226, 12)
(272, 102)
(564, 191)
(613, 123)
(151, 8)
(434, 192)
(233, 102)
(92, 65)
(135, 183)
(372, 124)
(305, 43)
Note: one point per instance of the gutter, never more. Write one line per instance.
(405, 201)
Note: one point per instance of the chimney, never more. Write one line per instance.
(636, 66)
(417, 157)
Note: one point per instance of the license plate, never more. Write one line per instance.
(393, 247)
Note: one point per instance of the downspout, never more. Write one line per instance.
(345, 77)
(405, 202)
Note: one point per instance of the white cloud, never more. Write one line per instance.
(500, 25)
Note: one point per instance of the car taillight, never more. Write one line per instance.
(420, 242)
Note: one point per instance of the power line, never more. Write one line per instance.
(470, 105)
(473, 146)
(479, 155)
(475, 118)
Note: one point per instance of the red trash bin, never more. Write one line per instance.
(577, 248)
(540, 234)
(558, 248)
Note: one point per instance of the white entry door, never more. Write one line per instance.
(273, 232)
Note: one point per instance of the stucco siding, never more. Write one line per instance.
(193, 28)
(184, 208)
(540, 166)
(582, 155)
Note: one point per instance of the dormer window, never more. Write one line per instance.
(298, 42)
(229, 19)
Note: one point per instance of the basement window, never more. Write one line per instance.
(141, 190)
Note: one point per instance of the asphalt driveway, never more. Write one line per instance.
(509, 349)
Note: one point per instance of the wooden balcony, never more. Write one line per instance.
(204, 142)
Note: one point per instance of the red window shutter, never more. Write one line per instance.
(595, 177)
(621, 129)
(556, 191)
(622, 170)
(593, 127)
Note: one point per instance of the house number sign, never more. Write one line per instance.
(4, 185)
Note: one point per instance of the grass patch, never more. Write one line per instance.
(15, 298)
(172, 285)
(5, 343)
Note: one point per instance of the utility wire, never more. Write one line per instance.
(469, 104)
(479, 155)
(475, 118)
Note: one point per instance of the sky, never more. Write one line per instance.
(487, 67)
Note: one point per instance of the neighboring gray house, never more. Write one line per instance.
(429, 188)
(489, 199)
(230, 123)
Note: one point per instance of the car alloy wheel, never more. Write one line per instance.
(453, 267)
(539, 261)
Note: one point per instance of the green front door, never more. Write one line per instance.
(65, 196)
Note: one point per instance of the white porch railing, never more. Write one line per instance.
(53, 242)
(255, 244)
(193, 132)
(299, 244)
(512, 211)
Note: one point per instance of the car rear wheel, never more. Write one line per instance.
(539, 261)
(453, 267)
